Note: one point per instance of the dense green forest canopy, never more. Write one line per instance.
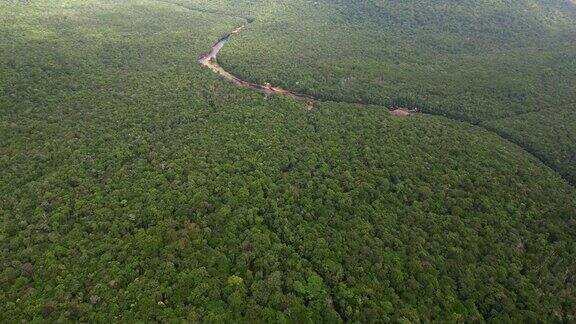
(136, 185)
(487, 62)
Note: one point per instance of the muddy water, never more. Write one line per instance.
(209, 60)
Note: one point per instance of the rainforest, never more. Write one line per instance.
(287, 161)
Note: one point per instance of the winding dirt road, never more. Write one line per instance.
(209, 60)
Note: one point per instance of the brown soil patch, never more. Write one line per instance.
(402, 112)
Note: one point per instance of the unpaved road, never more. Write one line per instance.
(209, 60)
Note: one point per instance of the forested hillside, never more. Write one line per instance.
(476, 61)
(136, 185)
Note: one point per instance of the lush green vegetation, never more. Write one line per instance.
(137, 186)
(548, 135)
(470, 60)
